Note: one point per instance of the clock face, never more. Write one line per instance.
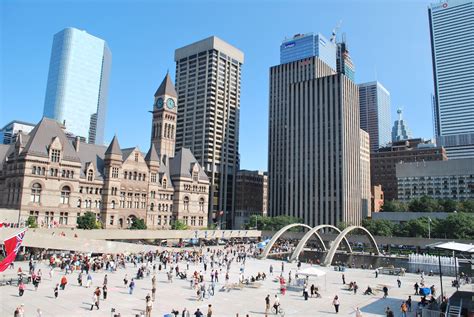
(159, 103)
(170, 103)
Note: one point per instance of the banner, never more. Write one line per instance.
(12, 246)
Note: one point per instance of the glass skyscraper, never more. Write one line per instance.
(307, 45)
(78, 81)
(375, 116)
(452, 43)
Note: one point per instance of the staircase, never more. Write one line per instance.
(454, 310)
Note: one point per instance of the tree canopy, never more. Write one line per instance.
(429, 204)
(179, 225)
(88, 221)
(271, 223)
(138, 224)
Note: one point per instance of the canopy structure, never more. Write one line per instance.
(313, 272)
(454, 246)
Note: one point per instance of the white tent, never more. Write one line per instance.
(313, 272)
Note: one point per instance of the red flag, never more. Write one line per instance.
(12, 245)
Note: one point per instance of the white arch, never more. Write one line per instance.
(277, 235)
(342, 235)
(307, 236)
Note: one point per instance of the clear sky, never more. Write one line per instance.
(388, 41)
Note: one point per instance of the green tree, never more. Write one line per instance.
(179, 225)
(138, 224)
(448, 205)
(271, 223)
(423, 204)
(379, 227)
(342, 225)
(466, 206)
(418, 227)
(31, 222)
(88, 221)
(394, 206)
(456, 226)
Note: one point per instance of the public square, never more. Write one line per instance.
(247, 301)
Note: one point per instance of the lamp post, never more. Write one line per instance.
(429, 228)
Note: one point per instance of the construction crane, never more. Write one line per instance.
(334, 32)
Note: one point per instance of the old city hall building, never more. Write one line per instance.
(56, 178)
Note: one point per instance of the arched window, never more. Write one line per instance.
(164, 183)
(186, 203)
(36, 193)
(134, 176)
(113, 204)
(79, 202)
(90, 175)
(65, 193)
(152, 206)
(201, 204)
(125, 175)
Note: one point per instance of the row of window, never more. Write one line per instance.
(193, 221)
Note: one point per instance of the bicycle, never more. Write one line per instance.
(278, 310)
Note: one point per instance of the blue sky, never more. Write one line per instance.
(388, 41)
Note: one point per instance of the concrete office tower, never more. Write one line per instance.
(400, 129)
(375, 117)
(78, 82)
(366, 201)
(314, 159)
(307, 45)
(10, 131)
(452, 38)
(208, 85)
(344, 61)
(251, 197)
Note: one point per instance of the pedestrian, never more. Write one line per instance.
(125, 280)
(89, 280)
(95, 301)
(336, 303)
(198, 313)
(409, 303)
(21, 288)
(358, 313)
(343, 279)
(267, 304)
(131, 286)
(63, 282)
(104, 291)
(79, 279)
(376, 273)
(399, 282)
(282, 267)
(416, 287)
(185, 313)
(56, 291)
(404, 309)
(36, 281)
(105, 279)
(305, 293)
(356, 287)
(385, 292)
(209, 310)
(149, 305)
(271, 269)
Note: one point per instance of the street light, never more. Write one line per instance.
(429, 228)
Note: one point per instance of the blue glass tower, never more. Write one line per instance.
(307, 45)
(78, 81)
(375, 116)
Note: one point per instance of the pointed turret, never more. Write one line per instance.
(166, 88)
(114, 147)
(152, 155)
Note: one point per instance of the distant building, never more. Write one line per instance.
(377, 198)
(314, 144)
(9, 132)
(383, 162)
(302, 46)
(344, 62)
(365, 174)
(251, 196)
(78, 83)
(400, 130)
(208, 76)
(375, 116)
(56, 179)
(452, 46)
(452, 179)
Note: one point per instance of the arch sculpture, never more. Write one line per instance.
(307, 236)
(277, 235)
(341, 236)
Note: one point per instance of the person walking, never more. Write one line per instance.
(89, 280)
(267, 304)
(409, 303)
(356, 287)
(336, 303)
(271, 269)
(376, 273)
(63, 282)
(358, 313)
(105, 279)
(416, 287)
(104, 291)
(125, 280)
(79, 279)
(56, 291)
(198, 313)
(343, 279)
(149, 305)
(385, 291)
(399, 282)
(185, 313)
(305, 293)
(404, 309)
(95, 301)
(21, 288)
(131, 286)
(209, 310)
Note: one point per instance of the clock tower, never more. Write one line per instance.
(163, 130)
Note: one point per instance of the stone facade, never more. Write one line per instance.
(56, 179)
